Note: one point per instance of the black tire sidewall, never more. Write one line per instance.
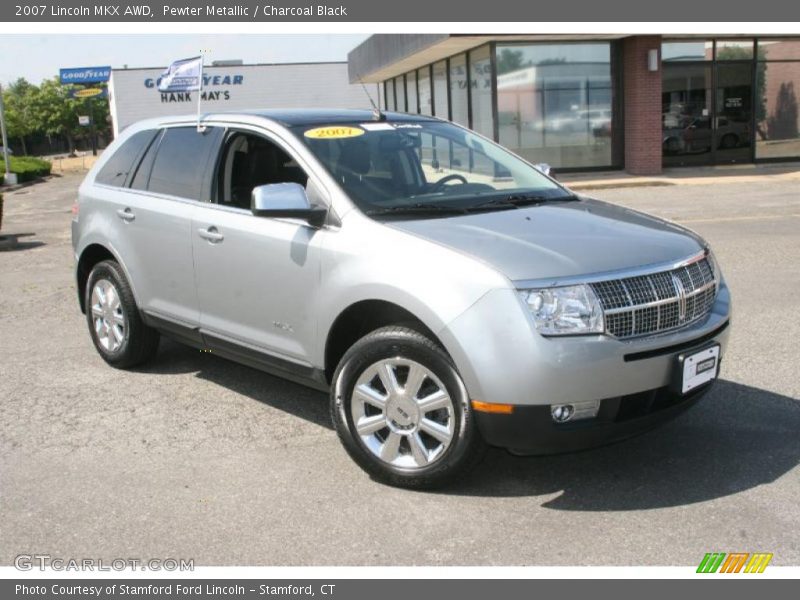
(393, 343)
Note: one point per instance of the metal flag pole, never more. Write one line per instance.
(8, 177)
(200, 95)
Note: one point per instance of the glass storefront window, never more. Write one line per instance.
(400, 93)
(411, 91)
(480, 75)
(424, 85)
(734, 49)
(554, 102)
(686, 118)
(385, 89)
(390, 103)
(440, 90)
(777, 109)
(688, 50)
(458, 90)
(778, 49)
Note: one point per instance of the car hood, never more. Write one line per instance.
(559, 239)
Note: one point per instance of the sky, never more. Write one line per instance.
(40, 56)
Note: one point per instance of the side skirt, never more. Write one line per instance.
(268, 363)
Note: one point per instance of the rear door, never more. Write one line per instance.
(153, 216)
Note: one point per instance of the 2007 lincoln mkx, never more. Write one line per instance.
(448, 294)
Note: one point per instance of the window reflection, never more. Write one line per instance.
(440, 89)
(555, 102)
(480, 72)
(411, 91)
(424, 85)
(458, 90)
(777, 110)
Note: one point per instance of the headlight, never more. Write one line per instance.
(712, 261)
(567, 310)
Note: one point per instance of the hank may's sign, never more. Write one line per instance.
(215, 87)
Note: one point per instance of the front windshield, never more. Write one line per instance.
(389, 168)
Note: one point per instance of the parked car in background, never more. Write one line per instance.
(695, 135)
(447, 294)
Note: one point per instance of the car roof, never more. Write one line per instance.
(299, 117)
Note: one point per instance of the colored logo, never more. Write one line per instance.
(734, 562)
(85, 75)
(89, 92)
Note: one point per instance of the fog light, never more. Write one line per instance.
(562, 413)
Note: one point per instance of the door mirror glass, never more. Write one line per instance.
(286, 200)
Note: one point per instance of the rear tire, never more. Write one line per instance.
(116, 327)
(402, 412)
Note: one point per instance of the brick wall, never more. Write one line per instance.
(642, 96)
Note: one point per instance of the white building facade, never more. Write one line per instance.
(133, 93)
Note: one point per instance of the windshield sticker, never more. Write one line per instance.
(333, 133)
(377, 126)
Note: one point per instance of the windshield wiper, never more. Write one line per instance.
(416, 209)
(518, 200)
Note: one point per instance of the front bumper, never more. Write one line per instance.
(503, 359)
(531, 430)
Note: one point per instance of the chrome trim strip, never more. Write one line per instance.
(634, 307)
(525, 284)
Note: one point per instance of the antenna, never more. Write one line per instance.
(376, 112)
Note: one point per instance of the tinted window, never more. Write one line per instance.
(115, 171)
(142, 174)
(180, 164)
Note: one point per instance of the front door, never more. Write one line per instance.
(256, 277)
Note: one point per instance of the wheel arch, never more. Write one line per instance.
(92, 254)
(362, 317)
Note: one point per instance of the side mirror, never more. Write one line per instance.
(287, 200)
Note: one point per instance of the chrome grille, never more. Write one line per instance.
(657, 302)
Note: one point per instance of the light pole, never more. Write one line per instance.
(10, 178)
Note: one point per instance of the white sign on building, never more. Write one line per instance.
(133, 93)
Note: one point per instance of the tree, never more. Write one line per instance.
(509, 60)
(60, 112)
(783, 124)
(57, 112)
(19, 113)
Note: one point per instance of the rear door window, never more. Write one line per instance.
(180, 166)
(118, 168)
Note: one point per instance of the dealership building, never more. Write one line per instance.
(583, 102)
(133, 93)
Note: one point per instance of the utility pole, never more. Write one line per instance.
(10, 178)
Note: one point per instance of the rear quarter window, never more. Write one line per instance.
(124, 160)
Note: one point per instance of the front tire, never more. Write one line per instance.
(402, 412)
(116, 327)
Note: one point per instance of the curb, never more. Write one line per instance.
(619, 184)
(13, 188)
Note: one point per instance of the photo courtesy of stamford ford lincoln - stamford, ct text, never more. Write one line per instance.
(372, 299)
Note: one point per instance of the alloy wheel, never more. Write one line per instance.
(403, 413)
(107, 315)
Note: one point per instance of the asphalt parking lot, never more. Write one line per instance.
(197, 457)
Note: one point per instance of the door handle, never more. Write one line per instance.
(211, 234)
(126, 215)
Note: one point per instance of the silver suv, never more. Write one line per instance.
(447, 293)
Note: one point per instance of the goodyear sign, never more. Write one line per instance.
(88, 93)
(84, 75)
